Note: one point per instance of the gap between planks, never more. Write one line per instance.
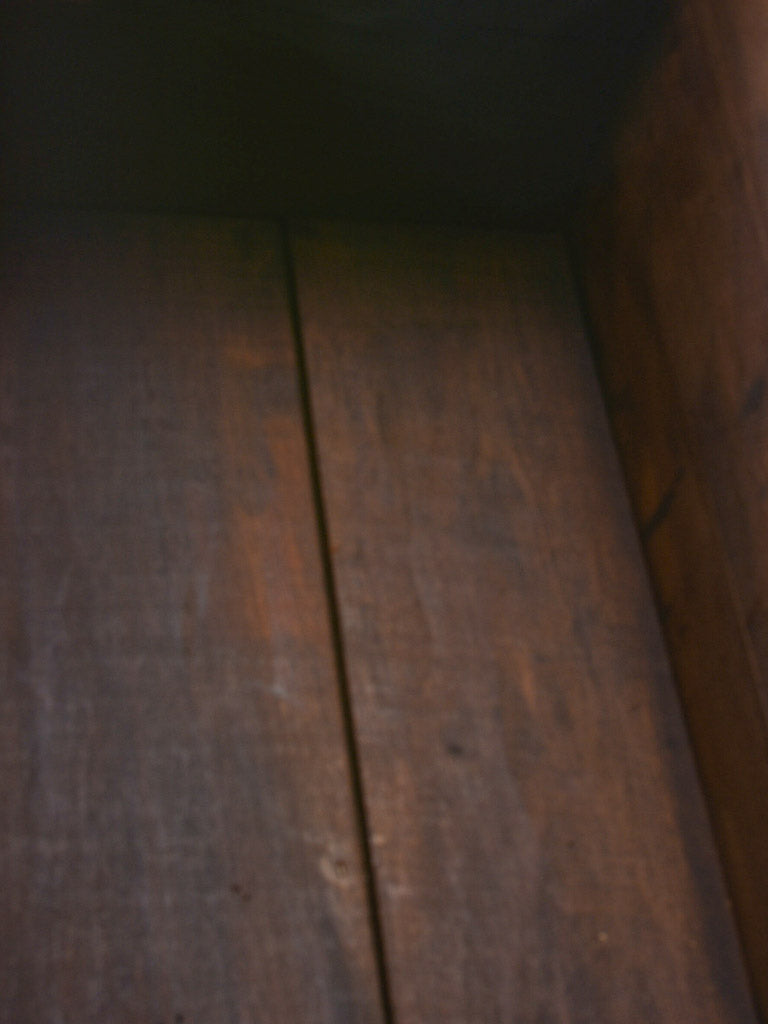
(334, 621)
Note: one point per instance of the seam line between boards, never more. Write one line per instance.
(334, 619)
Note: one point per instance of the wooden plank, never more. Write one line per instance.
(673, 256)
(541, 847)
(179, 841)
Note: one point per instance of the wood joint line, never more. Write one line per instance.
(334, 618)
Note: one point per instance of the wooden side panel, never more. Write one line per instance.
(673, 257)
(178, 834)
(541, 847)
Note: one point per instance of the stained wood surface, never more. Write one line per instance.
(673, 257)
(540, 844)
(179, 841)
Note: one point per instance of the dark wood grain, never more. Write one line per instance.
(673, 255)
(541, 847)
(178, 833)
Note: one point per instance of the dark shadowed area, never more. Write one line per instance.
(414, 110)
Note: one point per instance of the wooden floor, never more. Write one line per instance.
(332, 686)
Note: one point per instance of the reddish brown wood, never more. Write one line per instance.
(178, 833)
(540, 843)
(673, 256)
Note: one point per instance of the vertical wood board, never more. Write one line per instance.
(179, 840)
(541, 848)
(673, 257)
